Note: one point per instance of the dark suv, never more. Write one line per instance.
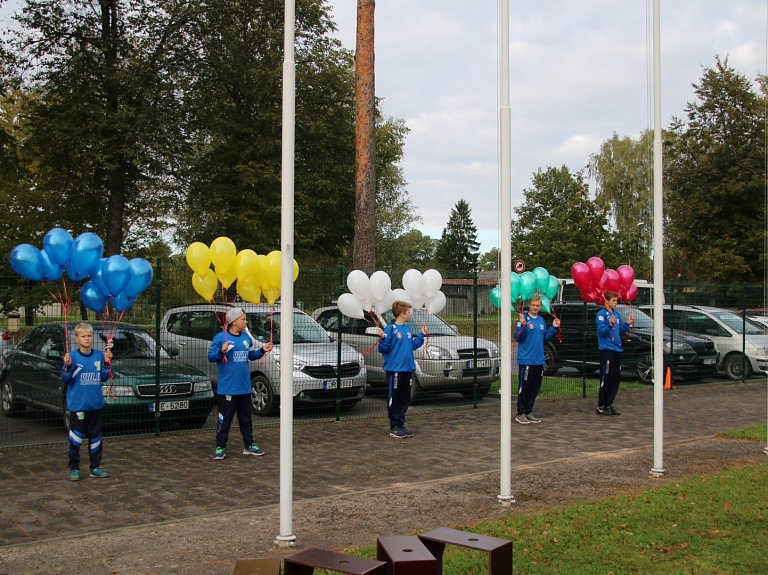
(689, 356)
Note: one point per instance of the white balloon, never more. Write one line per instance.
(380, 285)
(432, 281)
(358, 284)
(437, 303)
(350, 306)
(418, 303)
(412, 282)
(401, 295)
(386, 304)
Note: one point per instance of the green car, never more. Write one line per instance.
(31, 376)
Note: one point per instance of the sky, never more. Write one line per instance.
(580, 70)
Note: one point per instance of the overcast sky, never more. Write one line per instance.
(580, 71)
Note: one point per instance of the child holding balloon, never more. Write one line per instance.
(609, 331)
(531, 334)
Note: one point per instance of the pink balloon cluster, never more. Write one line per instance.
(593, 280)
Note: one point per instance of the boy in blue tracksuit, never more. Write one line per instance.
(396, 344)
(231, 350)
(84, 370)
(531, 335)
(609, 332)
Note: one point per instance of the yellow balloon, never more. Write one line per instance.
(199, 257)
(272, 294)
(295, 270)
(249, 290)
(205, 285)
(228, 277)
(272, 268)
(223, 253)
(247, 264)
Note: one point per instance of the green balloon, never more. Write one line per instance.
(496, 297)
(527, 285)
(554, 287)
(515, 286)
(542, 279)
(546, 304)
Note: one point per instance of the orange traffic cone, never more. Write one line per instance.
(668, 379)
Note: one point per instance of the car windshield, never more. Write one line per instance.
(642, 319)
(266, 327)
(737, 324)
(435, 325)
(127, 343)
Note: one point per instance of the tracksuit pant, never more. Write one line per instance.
(82, 423)
(398, 396)
(236, 404)
(530, 385)
(610, 372)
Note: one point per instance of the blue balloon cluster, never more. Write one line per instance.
(114, 279)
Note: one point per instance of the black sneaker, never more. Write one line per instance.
(408, 432)
(397, 432)
(613, 410)
(601, 411)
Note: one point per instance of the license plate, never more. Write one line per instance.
(332, 384)
(710, 361)
(171, 405)
(480, 363)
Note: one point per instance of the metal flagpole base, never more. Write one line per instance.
(657, 472)
(506, 500)
(765, 450)
(285, 541)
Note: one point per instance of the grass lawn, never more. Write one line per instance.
(552, 387)
(709, 525)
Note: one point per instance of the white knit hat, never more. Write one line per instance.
(234, 313)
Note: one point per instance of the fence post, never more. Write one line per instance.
(744, 332)
(338, 346)
(474, 338)
(158, 283)
(672, 327)
(584, 351)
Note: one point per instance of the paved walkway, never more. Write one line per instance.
(159, 480)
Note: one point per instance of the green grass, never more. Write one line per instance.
(710, 525)
(754, 433)
(552, 387)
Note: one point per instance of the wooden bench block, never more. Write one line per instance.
(499, 550)
(305, 562)
(405, 556)
(266, 566)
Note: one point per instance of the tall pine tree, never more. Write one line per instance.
(458, 248)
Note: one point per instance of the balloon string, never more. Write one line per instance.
(559, 334)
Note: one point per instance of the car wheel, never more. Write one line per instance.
(262, 396)
(11, 406)
(644, 367)
(550, 360)
(733, 367)
(482, 391)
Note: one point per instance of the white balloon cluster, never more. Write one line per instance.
(375, 294)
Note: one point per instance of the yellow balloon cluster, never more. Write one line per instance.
(255, 274)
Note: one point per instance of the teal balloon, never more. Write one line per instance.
(496, 297)
(546, 304)
(554, 287)
(515, 286)
(527, 285)
(542, 279)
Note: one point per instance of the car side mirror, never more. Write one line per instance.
(372, 331)
(172, 350)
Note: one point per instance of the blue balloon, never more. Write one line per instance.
(51, 270)
(87, 250)
(142, 277)
(27, 262)
(121, 302)
(98, 279)
(71, 273)
(91, 297)
(57, 243)
(116, 273)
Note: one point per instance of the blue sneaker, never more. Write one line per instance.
(74, 475)
(220, 453)
(253, 450)
(99, 472)
(408, 432)
(397, 432)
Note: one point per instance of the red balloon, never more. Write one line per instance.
(587, 295)
(631, 292)
(596, 268)
(581, 276)
(626, 275)
(610, 281)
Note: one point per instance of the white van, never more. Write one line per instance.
(569, 292)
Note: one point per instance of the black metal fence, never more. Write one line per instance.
(171, 387)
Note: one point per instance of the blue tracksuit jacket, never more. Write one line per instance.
(397, 347)
(235, 374)
(531, 339)
(610, 337)
(83, 380)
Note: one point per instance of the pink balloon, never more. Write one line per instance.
(596, 268)
(580, 274)
(610, 281)
(631, 292)
(626, 275)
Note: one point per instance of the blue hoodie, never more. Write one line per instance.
(531, 339)
(609, 337)
(83, 379)
(397, 347)
(235, 374)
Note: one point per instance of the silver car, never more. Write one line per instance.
(445, 363)
(190, 329)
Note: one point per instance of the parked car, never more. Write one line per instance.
(191, 328)
(32, 376)
(724, 327)
(759, 315)
(445, 363)
(690, 356)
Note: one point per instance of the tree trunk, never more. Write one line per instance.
(364, 250)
